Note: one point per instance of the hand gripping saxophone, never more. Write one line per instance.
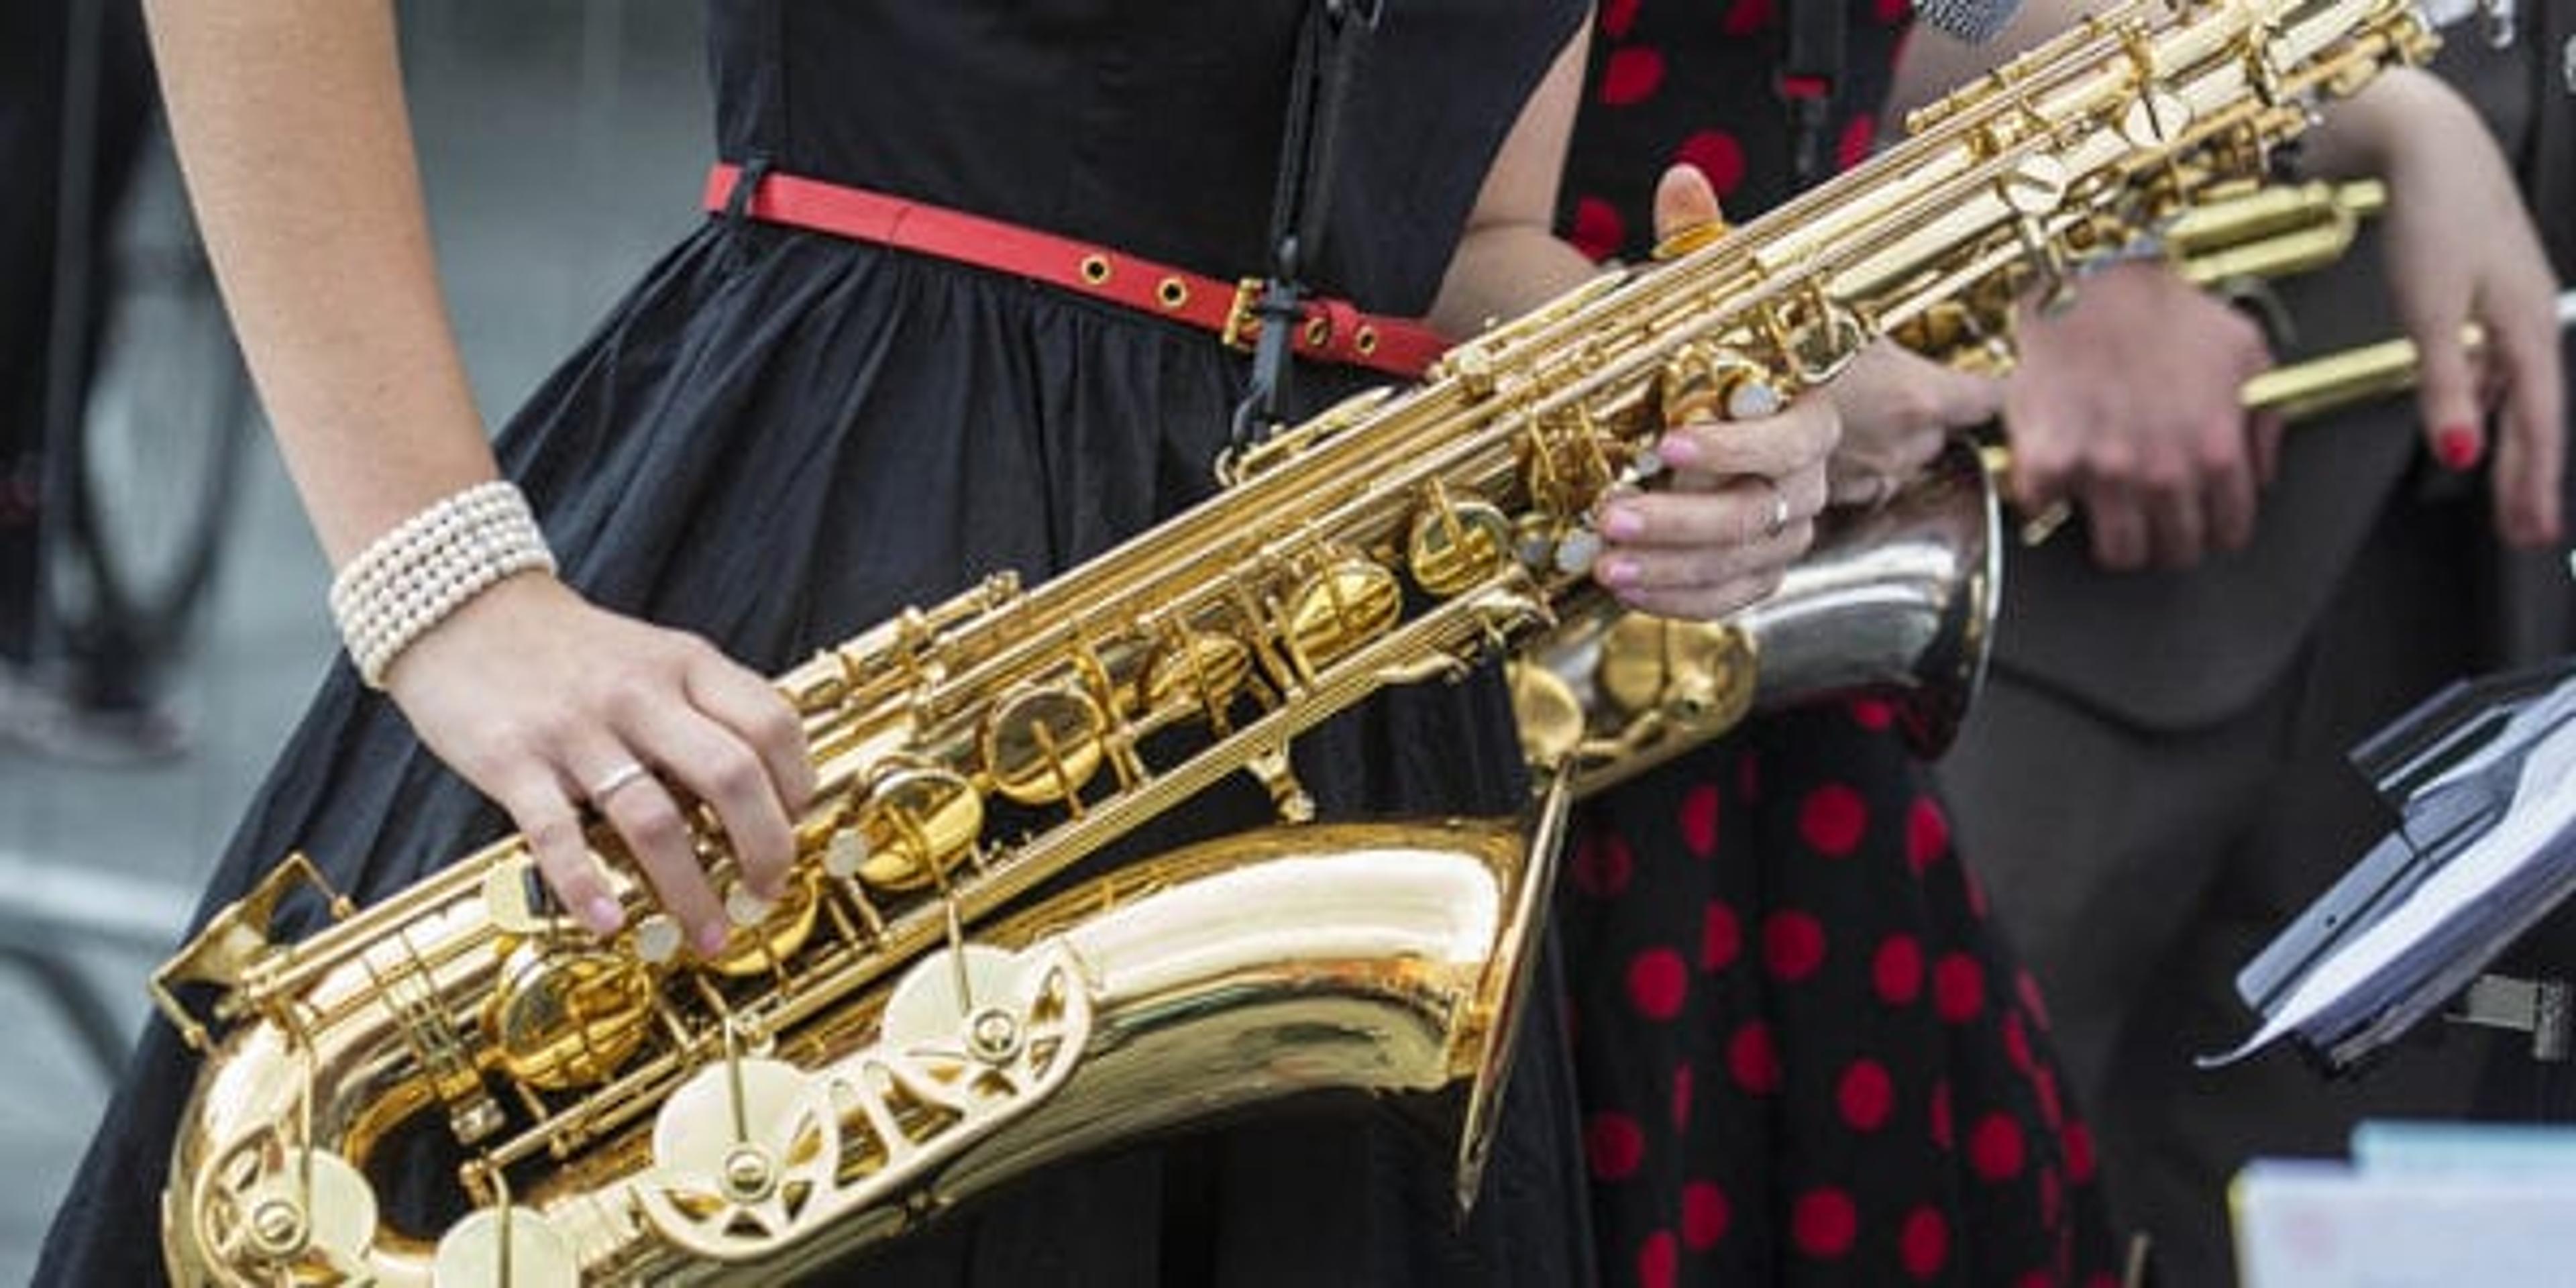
(910, 1027)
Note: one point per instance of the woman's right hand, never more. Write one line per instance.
(542, 700)
(1898, 407)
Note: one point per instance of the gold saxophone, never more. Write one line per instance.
(907, 1029)
(1897, 601)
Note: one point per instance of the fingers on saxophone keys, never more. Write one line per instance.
(713, 763)
(1799, 437)
(660, 841)
(551, 825)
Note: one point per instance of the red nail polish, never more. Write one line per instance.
(2457, 446)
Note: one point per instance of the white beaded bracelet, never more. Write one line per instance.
(411, 578)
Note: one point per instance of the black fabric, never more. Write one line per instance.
(1804, 1055)
(33, 69)
(779, 438)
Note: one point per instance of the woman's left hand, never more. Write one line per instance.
(1740, 504)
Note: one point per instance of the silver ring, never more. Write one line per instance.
(1779, 509)
(621, 776)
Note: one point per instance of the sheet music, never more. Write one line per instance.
(2462, 904)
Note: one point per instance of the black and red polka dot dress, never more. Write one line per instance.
(1804, 1055)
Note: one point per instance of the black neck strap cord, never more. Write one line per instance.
(1810, 80)
(1328, 51)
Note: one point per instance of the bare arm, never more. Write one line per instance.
(291, 127)
(290, 119)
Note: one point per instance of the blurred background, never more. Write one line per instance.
(167, 625)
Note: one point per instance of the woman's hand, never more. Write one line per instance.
(2460, 248)
(2130, 401)
(544, 702)
(1897, 409)
(1740, 504)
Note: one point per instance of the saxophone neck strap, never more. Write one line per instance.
(1328, 52)
(1321, 330)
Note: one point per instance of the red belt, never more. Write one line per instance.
(1331, 330)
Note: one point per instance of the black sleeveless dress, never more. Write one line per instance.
(780, 438)
(1804, 1054)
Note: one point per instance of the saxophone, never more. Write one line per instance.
(909, 1028)
(1896, 601)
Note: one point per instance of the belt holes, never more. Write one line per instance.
(1095, 269)
(1318, 330)
(1365, 340)
(1172, 292)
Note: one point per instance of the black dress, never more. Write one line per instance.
(780, 438)
(1804, 1054)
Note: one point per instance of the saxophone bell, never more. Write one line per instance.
(1895, 601)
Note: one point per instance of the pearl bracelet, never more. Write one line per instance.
(428, 566)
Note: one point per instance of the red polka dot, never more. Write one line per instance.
(1941, 1114)
(2036, 1279)
(1832, 819)
(1995, 1148)
(2079, 1153)
(1927, 833)
(2099, 1278)
(1793, 945)
(1866, 1095)
(1824, 1223)
(1894, 11)
(1923, 1244)
(2043, 1088)
(1658, 1260)
(1897, 970)
(1854, 146)
(1614, 1144)
(1616, 15)
(1597, 230)
(1747, 17)
(1681, 1095)
(1603, 864)
(1705, 1215)
(1871, 713)
(1631, 75)
(1958, 988)
(1718, 156)
(2017, 1042)
(1754, 1058)
(1699, 819)
(1721, 936)
(1657, 981)
(2031, 1000)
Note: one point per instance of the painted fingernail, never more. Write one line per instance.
(1618, 572)
(1622, 524)
(711, 939)
(604, 915)
(1674, 449)
(2457, 446)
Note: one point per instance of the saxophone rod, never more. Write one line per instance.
(2302, 391)
(2307, 389)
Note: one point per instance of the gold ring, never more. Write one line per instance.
(621, 776)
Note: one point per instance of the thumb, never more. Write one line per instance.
(1686, 212)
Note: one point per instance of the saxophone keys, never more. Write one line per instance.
(567, 1018)
(1351, 602)
(658, 938)
(1043, 744)
(918, 821)
(1455, 547)
(516, 1247)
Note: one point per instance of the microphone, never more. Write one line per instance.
(1974, 21)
